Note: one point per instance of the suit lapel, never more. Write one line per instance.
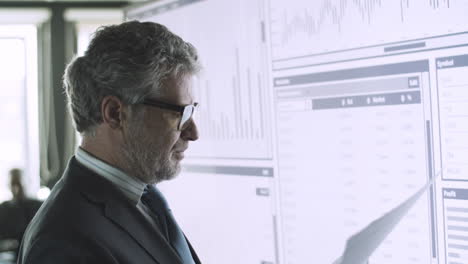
(192, 251)
(119, 210)
(145, 235)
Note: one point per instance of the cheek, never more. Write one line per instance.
(165, 141)
(174, 139)
(170, 133)
(161, 132)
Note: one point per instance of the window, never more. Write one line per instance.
(18, 107)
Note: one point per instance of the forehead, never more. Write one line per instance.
(178, 90)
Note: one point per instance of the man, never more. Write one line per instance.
(131, 99)
(16, 213)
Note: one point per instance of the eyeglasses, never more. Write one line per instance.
(186, 111)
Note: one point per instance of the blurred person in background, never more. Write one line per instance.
(16, 213)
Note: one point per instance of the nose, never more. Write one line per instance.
(190, 133)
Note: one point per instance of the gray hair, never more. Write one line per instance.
(130, 61)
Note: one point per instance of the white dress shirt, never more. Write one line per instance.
(130, 186)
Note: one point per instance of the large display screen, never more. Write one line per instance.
(316, 118)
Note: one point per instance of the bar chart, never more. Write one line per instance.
(241, 115)
(234, 105)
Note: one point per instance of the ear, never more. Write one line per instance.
(112, 111)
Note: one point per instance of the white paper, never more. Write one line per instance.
(361, 245)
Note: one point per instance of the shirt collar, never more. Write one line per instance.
(132, 187)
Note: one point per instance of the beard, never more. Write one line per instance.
(147, 158)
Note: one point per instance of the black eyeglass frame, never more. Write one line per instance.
(186, 111)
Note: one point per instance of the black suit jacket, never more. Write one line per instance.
(15, 216)
(86, 219)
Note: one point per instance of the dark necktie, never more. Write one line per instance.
(156, 202)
